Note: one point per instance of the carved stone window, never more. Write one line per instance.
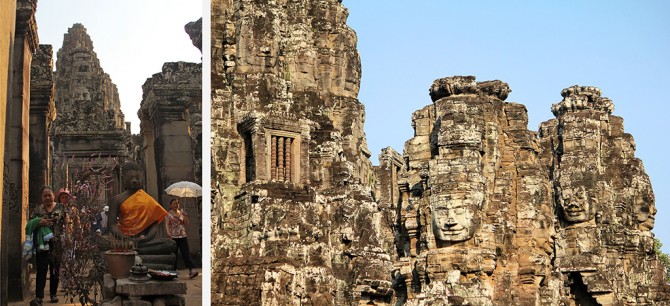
(271, 149)
(284, 155)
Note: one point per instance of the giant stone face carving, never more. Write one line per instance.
(645, 212)
(576, 205)
(455, 220)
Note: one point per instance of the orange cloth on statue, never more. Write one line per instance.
(138, 212)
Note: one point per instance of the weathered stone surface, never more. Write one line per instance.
(605, 204)
(170, 121)
(475, 216)
(17, 46)
(577, 98)
(117, 301)
(171, 131)
(108, 289)
(86, 98)
(294, 220)
(194, 31)
(493, 214)
(170, 146)
(136, 303)
(478, 210)
(89, 119)
(42, 115)
(151, 287)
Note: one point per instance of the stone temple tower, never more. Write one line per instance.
(477, 210)
(294, 218)
(89, 120)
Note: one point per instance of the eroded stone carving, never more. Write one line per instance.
(478, 210)
(171, 131)
(605, 247)
(296, 221)
(575, 204)
(456, 219)
(89, 119)
(582, 97)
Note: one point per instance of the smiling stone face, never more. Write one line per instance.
(454, 220)
(645, 211)
(576, 205)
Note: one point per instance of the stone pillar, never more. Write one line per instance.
(168, 99)
(151, 181)
(7, 25)
(15, 163)
(174, 163)
(390, 164)
(42, 114)
(173, 156)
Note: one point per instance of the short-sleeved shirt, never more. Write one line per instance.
(57, 213)
(175, 225)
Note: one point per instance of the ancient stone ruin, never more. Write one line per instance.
(89, 119)
(493, 214)
(19, 115)
(289, 133)
(477, 210)
(171, 134)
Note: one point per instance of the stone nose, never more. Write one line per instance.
(450, 220)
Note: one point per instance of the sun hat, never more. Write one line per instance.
(61, 192)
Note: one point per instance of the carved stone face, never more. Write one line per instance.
(576, 205)
(645, 212)
(454, 220)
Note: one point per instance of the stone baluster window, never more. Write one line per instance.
(281, 149)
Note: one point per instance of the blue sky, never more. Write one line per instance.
(132, 38)
(537, 47)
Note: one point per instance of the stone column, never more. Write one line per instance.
(151, 181)
(390, 163)
(174, 163)
(42, 114)
(167, 100)
(15, 163)
(7, 25)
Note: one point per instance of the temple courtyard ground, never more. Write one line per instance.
(193, 294)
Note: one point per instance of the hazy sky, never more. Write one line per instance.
(132, 38)
(537, 47)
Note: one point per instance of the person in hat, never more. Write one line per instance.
(52, 215)
(63, 196)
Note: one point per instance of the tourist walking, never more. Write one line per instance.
(175, 225)
(47, 217)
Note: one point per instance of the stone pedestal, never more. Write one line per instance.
(159, 292)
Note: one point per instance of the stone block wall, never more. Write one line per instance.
(477, 210)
